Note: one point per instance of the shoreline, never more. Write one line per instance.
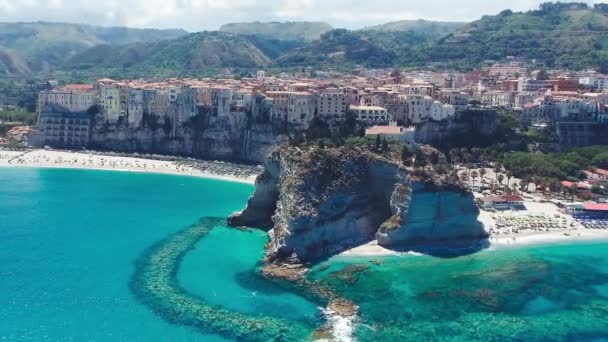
(50, 159)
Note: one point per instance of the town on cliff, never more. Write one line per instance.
(396, 159)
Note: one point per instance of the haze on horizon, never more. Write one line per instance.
(198, 15)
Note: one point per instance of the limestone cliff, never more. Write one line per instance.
(473, 125)
(213, 140)
(425, 212)
(319, 202)
(324, 202)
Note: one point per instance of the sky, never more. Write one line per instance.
(198, 15)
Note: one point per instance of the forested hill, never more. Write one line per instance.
(568, 35)
(565, 35)
(420, 26)
(300, 30)
(27, 48)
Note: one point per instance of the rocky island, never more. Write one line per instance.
(318, 202)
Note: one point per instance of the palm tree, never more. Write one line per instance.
(474, 175)
(497, 170)
(509, 176)
(501, 177)
(482, 173)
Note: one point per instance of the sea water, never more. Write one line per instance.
(70, 241)
(538, 293)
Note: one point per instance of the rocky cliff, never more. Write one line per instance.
(319, 202)
(428, 213)
(472, 125)
(247, 143)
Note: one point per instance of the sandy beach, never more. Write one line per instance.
(541, 223)
(96, 161)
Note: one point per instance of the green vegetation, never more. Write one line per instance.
(422, 26)
(553, 167)
(19, 116)
(301, 30)
(34, 47)
(568, 35)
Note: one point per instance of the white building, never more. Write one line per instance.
(404, 135)
(371, 114)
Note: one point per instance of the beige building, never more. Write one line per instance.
(70, 100)
(295, 108)
(331, 105)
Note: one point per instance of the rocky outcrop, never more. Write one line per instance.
(262, 205)
(425, 213)
(319, 202)
(473, 125)
(326, 200)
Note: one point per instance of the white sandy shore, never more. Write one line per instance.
(80, 160)
(566, 231)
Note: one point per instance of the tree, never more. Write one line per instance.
(406, 156)
(482, 174)
(434, 158)
(464, 177)
(385, 146)
(474, 176)
(501, 177)
(420, 160)
(600, 160)
(497, 171)
(509, 176)
(542, 75)
(378, 142)
(454, 155)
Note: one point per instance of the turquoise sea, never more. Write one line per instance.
(106, 256)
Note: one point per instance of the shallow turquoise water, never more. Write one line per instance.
(541, 293)
(69, 240)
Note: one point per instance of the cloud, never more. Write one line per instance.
(196, 15)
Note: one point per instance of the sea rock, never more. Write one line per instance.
(320, 202)
(429, 214)
(325, 200)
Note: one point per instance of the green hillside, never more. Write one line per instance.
(568, 35)
(197, 51)
(41, 46)
(421, 26)
(302, 30)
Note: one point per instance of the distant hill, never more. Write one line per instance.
(40, 46)
(195, 51)
(302, 30)
(420, 26)
(568, 35)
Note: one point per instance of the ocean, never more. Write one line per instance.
(114, 256)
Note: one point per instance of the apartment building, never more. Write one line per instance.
(74, 101)
(59, 127)
(295, 108)
(331, 105)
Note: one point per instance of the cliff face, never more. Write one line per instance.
(470, 125)
(324, 201)
(214, 141)
(321, 202)
(423, 214)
